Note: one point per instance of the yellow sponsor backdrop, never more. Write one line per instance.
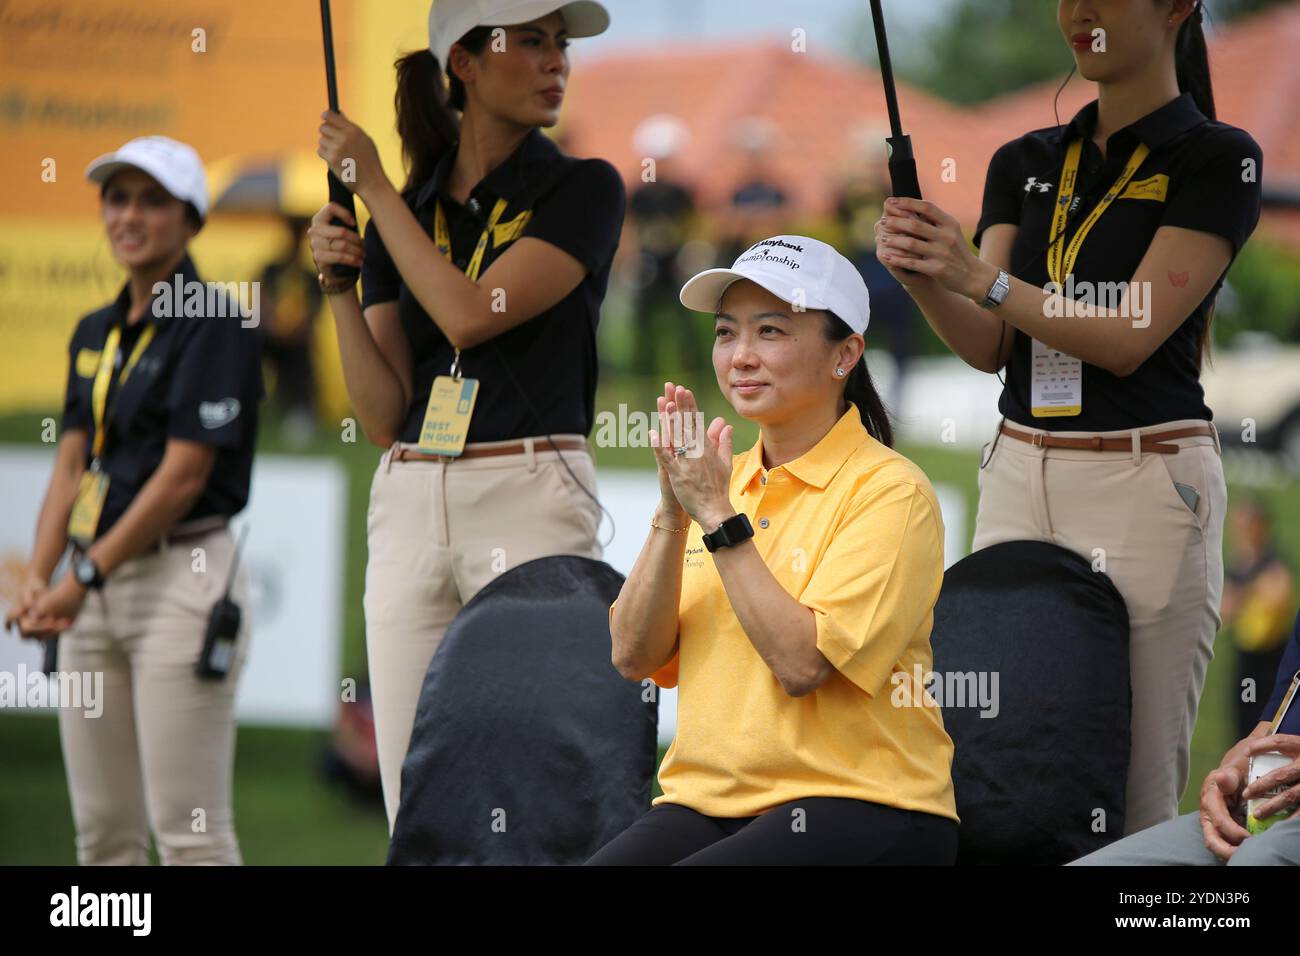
(236, 79)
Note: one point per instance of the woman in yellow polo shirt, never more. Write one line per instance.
(788, 592)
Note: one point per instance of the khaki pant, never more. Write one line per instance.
(160, 755)
(438, 532)
(1122, 508)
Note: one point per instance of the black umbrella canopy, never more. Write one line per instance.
(289, 185)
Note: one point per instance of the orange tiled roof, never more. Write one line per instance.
(824, 107)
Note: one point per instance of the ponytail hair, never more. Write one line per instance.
(860, 390)
(1192, 65)
(1192, 62)
(427, 102)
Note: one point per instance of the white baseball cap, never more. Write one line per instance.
(176, 166)
(660, 136)
(449, 20)
(802, 271)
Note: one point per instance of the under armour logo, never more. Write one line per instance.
(1033, 183)
(216, 414)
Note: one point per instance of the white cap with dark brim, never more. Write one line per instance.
(449, 20)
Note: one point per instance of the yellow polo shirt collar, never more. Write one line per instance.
(818, 465)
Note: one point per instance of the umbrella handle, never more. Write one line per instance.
(343, 196)
(902, 172)
(902, 167)
(338, 192)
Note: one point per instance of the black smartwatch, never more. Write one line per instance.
(87, 572)
(732, 531)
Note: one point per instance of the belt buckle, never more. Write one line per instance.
(1037, 439)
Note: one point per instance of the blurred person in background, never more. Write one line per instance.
(662, 211)
(351, 758)
(159, 427)
(796, 743)
(757, 206)
(1258, 602)
(489, 267)
(291, 300)
(1106, 446)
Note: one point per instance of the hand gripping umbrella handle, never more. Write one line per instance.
(902, 167)
(339, 193)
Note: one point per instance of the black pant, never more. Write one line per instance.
(1260, 667)
(807, 832)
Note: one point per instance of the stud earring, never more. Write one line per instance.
(839, 371)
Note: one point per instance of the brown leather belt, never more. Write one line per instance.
(1148, 443)
(403, 453)
(190, 529)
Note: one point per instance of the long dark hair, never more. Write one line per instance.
(859, 389)
(1192, 64)
(424, 104)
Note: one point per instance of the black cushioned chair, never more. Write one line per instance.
(1030, 781)
(528, 747)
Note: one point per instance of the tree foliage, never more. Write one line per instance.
(979, 49)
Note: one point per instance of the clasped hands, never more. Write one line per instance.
(696, 482)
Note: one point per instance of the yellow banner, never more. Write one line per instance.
(234, 80)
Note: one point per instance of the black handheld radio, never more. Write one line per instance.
(223, 628)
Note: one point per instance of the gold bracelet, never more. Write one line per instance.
(673, 530)
(334, 289)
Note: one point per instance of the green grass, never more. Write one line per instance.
(286, 812)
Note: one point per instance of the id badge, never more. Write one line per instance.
(446, 417)
(84, 520)
(1056, 382)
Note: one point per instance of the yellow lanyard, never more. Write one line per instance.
(1060, 259)
(442, 237)
(99, 391)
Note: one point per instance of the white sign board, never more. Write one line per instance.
(295, 556)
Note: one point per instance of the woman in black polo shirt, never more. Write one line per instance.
(159, 425)
(489, 274)
(1103, 245)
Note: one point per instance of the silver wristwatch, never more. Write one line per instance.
(997, 293)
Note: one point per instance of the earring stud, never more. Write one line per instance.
(839, 371)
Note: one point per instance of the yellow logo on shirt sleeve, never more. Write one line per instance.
(87, 362)
(1154, 188)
